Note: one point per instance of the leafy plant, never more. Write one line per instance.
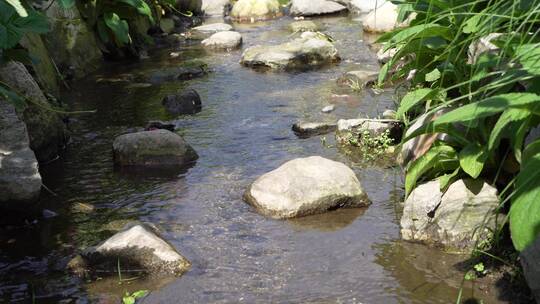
(133, 297)
(371, 147)
(474, 68)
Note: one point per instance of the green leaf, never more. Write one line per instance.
(140, 294)
(119, 27)
(128, 300)
(447, 179)
(427, 161)
(488, 107)
(19, 8)
(529, 57)
(472, 158)
(471, 25)
(413, 98)
(525, 209)
(506, 125)
(141, 7)
(433, 75)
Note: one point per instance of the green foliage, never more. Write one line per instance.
(371, 147)
(15, 22)
(490, 98)
(132, 298)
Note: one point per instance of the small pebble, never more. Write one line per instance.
(328, 109)
(49, 214)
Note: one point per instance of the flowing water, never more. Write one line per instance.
(244, 130)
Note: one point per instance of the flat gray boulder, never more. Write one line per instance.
(20, 180)
(309, 51)
(315, 7)
(306, 186)
(138, 247)
(456, 219)
(226, 40)
(152, 148)
(306, 129)
(214, 27)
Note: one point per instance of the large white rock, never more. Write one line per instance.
(315, 7)
(20, 180)
(456, 220)
(215, 7)
(383, 19)
(214, 27)
(306, 186)
(310, 50)
(139, 246)
(227, 40)
(255, 9)
(152, 148)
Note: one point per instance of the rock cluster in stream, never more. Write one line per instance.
(310, 50)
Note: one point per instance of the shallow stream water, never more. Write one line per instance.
(244, 130)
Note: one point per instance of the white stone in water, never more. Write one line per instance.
(255, 9)
(214, 27)
(223, 40)
(328, 109)
(306, 186)
(306, 129)
(315, 7)
(141, 245)
(383, 19)
(214, 7)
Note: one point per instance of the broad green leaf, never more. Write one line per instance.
(426, 162)
(433, 75)
(119, 27)
(471, 25)
(505, 124)
(383, 73)
(140, 293)
(421, 31)
(472, 158)
(141, 7)
(128, 300)
(531, 150)
(529, 57)
(19, 8)
(3, 36)
(488, 107)
(525, 209)
(413, 98)
(447, 179)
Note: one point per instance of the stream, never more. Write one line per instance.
(243, 131)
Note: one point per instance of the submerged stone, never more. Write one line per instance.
(185, 102)
(304, 26)
(306, 186)
(308, 51)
